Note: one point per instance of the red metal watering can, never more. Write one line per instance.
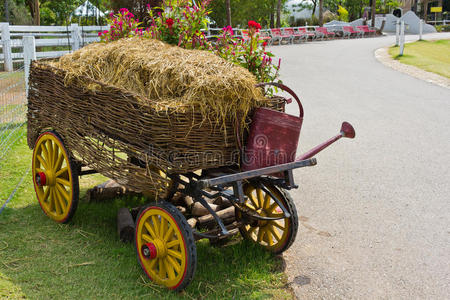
(273, 137)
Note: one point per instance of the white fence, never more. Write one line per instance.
(65, 37)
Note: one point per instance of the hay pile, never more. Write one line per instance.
(168, 76)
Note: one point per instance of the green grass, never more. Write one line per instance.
(432, 56)
(40, 259)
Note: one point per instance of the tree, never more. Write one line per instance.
(6, 11)
(279, 14)
(35, 11)
(373, 12)
(320, 12)
(425, 9)
(228, 7)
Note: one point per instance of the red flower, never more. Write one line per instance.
(264, 44)
(169, 22)
(253, 24)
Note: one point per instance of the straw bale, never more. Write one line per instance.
(167, 76)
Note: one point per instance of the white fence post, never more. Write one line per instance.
(397, 32)
(402, 37)
(420, 29)
(6, 42)
(75, 35)
(29, 54)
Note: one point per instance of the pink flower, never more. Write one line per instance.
(228, 29)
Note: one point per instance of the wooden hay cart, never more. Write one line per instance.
(75, 132)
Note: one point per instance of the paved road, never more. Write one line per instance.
(375, 211)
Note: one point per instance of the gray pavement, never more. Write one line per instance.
(375, 212)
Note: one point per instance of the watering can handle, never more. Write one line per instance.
(286, 89)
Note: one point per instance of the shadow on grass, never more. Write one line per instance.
(85, 259)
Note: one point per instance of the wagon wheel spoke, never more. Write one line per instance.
(162, 228)
(44, 153)
(55, 154)
(174, 263)
(63, 191)
(150, 230)
(46, 194)
(155, 225)
(168, 234)
(169, 268)
(253, 200)
(162, 271)
(59, 161)
(274, 232)
(172, 243)
(266, 203)
(62, 171)
(174, 253)
(260, 195)
(147, 238)
(43, 162)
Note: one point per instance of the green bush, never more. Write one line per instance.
(442, 28)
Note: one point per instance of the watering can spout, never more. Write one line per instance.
(347, 131)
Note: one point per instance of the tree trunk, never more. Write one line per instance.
(320, 12)
(440, 5)
(374, 2)
(272, 17)
(228, 8)
(34, 10)
(414, 8)
(6, 11)
(279, 14)
(314, 8)
(425, 10)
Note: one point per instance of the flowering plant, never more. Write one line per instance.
(122, 25)
(249, 53)
(180, 24)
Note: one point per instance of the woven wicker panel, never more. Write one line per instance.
(105, 129)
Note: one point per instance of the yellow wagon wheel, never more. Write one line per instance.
(165, 245)
(274, 235)
(55, 178)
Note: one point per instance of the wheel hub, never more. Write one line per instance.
(41, 179)
(157, 249)
(45, 178)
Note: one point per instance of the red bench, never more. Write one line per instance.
(296, 36)
(277, 35)
(351, 32)
(325, 32)
(366, 30)
(308, 33)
